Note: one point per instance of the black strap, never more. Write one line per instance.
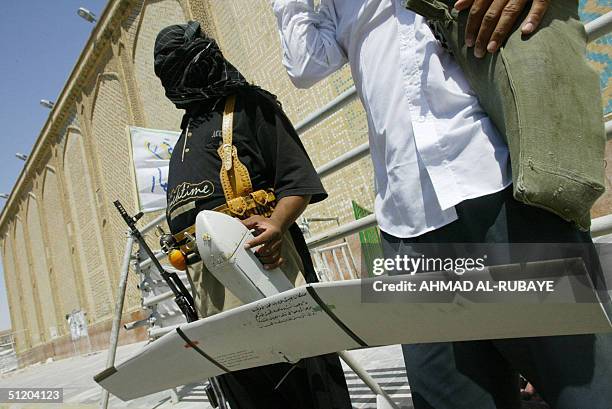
(333, 316)
(105, 374)
(199, 351)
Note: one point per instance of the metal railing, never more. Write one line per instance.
(333, 261)
(600, 226)
(599, 27)
(331, 107)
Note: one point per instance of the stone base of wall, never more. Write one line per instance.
(99, 337)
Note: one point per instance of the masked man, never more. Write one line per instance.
(269, 182)
(443, 175)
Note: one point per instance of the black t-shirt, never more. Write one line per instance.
(267, 145)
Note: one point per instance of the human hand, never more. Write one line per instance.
(268, 235)
(490, 21)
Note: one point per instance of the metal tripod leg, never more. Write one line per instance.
(114, 341)
(367, 379)
(216, 387)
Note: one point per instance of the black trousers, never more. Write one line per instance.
(570, 372)
(314, 383)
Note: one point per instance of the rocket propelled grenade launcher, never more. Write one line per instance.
(182, 297)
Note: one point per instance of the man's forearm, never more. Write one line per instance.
(288, 209)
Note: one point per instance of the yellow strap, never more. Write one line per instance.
(234, 176)
(228, 132)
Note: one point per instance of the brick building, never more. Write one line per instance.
(61, 241)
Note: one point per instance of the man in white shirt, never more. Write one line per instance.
(442, 176)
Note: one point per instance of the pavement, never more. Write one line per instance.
(75, 376)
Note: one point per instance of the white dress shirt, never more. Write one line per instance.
(431, 143)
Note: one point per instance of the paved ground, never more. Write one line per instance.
(75, 376)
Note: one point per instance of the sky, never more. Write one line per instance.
(40, 42)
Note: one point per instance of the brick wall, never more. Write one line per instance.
(40, 271)
(59, 245)
(88, 237)
(11, 281)
(159, 112)
(27, 285)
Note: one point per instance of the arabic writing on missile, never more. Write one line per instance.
(289, 308)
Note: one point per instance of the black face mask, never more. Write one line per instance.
(192, 68)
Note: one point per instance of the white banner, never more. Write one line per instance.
(151, 150)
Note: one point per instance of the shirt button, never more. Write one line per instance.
(189, 134)
(186, 149)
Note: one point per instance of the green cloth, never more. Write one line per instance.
(369, 239)
(544, 97)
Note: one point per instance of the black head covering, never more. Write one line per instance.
(192, 68)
